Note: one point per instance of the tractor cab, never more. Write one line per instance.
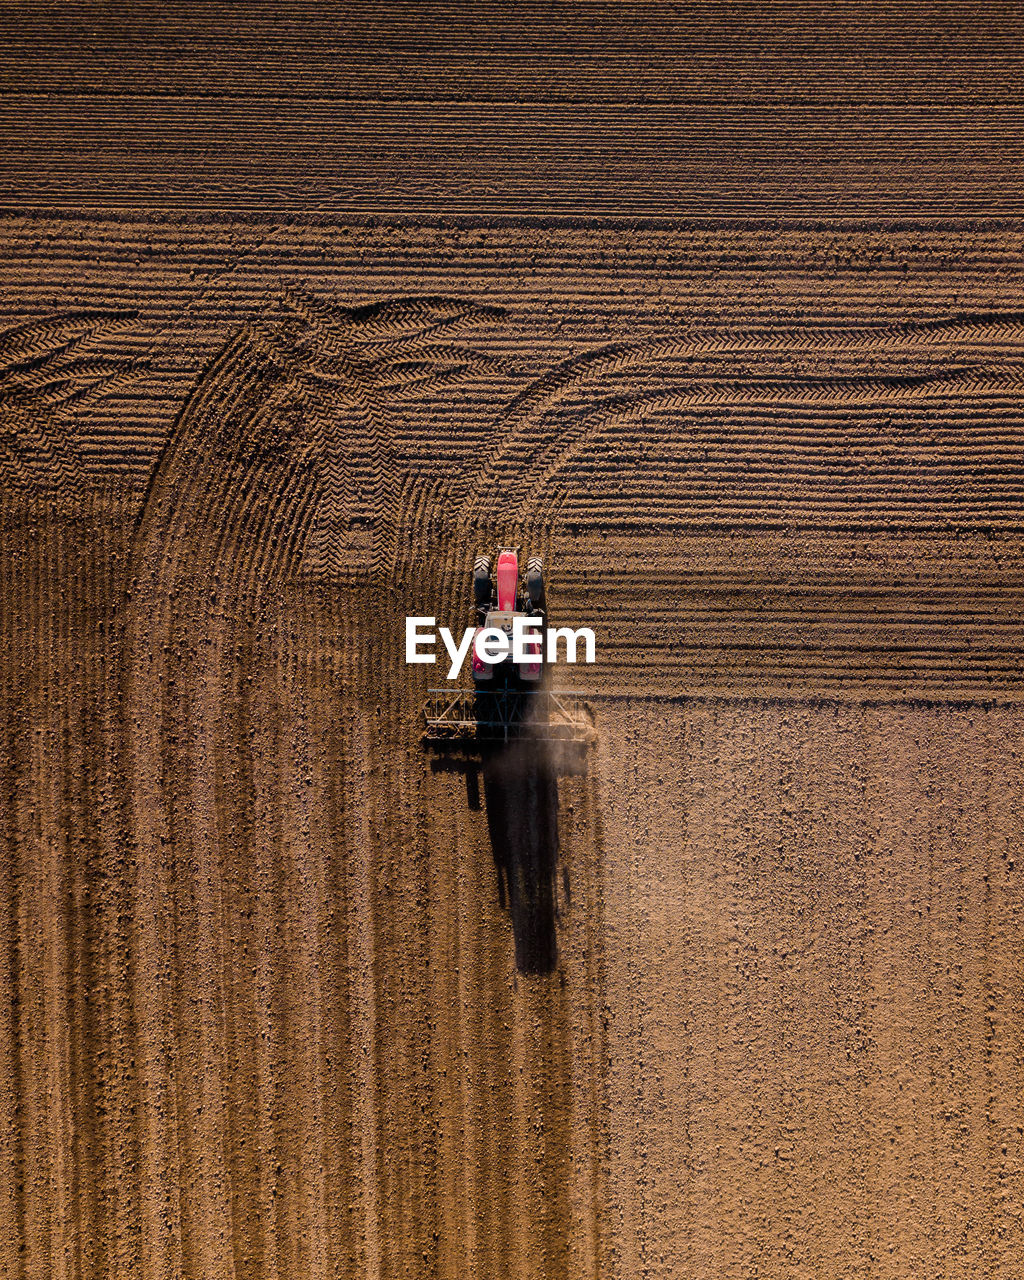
(499, 600)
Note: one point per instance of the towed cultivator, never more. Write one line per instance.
(499, 715)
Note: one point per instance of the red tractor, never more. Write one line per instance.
(507, 701)
(498, 601)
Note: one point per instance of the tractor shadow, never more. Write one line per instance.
(520, 788)
(517, 784)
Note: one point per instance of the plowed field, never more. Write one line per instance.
(737, 990)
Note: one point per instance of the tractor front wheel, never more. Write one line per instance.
(535, 580)
(482, 588)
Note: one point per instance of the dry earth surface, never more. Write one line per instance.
(727, 320)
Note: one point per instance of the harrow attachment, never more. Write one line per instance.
(500, 715)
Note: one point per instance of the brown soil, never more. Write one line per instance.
(286, 996)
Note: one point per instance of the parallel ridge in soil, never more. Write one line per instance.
(663, 110)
